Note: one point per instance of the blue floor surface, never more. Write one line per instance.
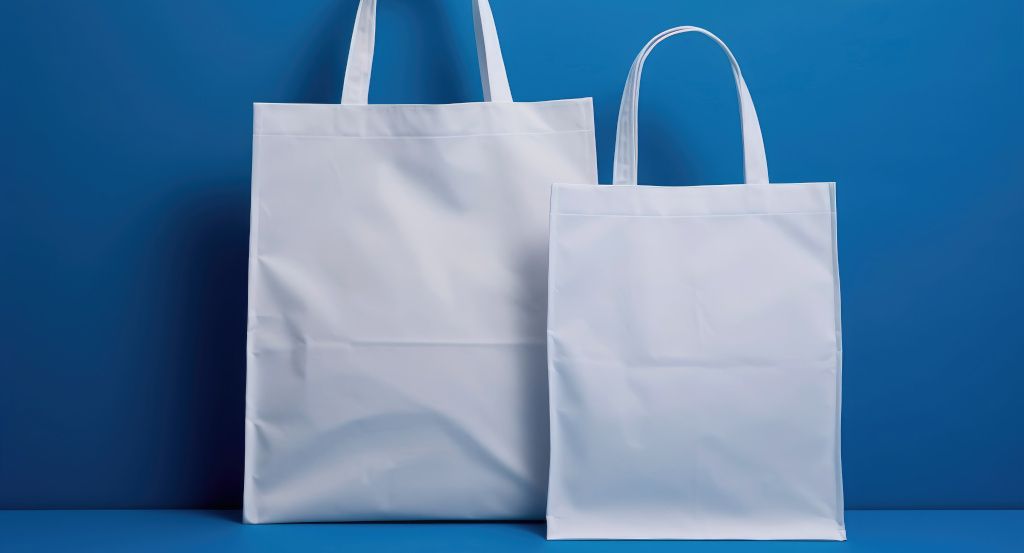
(222, 532)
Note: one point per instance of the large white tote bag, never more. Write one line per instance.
(397, 300)
(694, 352)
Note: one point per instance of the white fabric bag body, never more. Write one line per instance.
(397, 299)
(694, 352)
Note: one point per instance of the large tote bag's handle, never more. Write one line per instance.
(356, 89)
(755, 165)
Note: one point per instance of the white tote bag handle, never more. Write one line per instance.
(356, 89)
(755, 165)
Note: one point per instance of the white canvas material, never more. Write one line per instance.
(694, 352)
(397, 299)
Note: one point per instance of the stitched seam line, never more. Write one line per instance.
(652, 216)
(423, 136)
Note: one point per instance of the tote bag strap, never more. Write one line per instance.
(360, 55)
(755, 165)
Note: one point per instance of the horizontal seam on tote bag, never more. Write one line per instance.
(405, 343)
(651, 216)
(425, 136)
(428, 107)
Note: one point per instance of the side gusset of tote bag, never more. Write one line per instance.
(449, 319)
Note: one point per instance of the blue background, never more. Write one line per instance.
(126, 143)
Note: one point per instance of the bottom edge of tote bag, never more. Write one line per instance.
(561, 530)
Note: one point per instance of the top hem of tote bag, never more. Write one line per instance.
(423, 120)
(691, 201)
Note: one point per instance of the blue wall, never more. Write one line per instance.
(124, 211)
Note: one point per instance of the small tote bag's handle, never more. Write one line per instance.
(356, 89)
(755, 165)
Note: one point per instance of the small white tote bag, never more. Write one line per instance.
(397, 301)
(694, 352)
